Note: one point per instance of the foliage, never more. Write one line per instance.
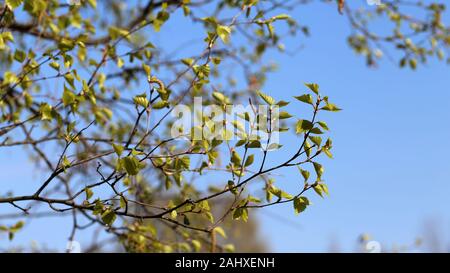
(91, 82)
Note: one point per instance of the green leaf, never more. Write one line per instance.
(224, 33)
(173, 214)
(89, 193)
(235, 158)
(229, 248)
(141, 100)
(197, 245)
(28, 99)
(323, 125)
(108, 217)
(70, 79)
(282, 103)
(7, 36)
(327, 152)
(54, 65)
(131, 165)
(46, 111)
(232, 188)
(254, 144)
(318, 190)
(220, 97)
(17, 226)
(147, 70)
(68, 97)
(116, 32)
(204, 205)
(307, 148)
(220, 231)
(331, 107)
(284, 115)
(316, 130)
(271, 29)
(319, 169)
(268, 99)
(303, 125)
(274, 146)
(306, 98)
(65, 162)
(123, 202)
(313, 87)
(304, 173)
(252, 199)
(413, 64)
(324, 188)
(160, 104)
(280, 17)
(120, 62)
(10, 78)
(241, 142)
(300, 204)
(216, 60)
(20, 56)
(185, 162)
(279, 193)
(316, 140)
(93, 3)
(188, 61)
(238, 125)
(66, 44)
(118, 149)
(13, 4)
(249, 161)
(241, 213)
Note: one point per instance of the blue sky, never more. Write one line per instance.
(391, 169)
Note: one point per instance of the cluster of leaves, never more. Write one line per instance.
(418, 32)
(117, 166)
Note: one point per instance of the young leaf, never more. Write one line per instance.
(268, 99)
(303, 125)
(131, 165)
(13, 4)
(235, 158)
(313, 87)
(306, 98)
(197, 245)
(331, 107)
(141, 100)
(89, 193)
(118, 149)
(46, 111)
(224, 33)
(249, 161)
(300, 204)
(323, 125)
(108, 217)
(220, 231)
(284, 115)
(241, 213)
(319, 169)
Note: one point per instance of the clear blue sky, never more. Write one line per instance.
(391, 169)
